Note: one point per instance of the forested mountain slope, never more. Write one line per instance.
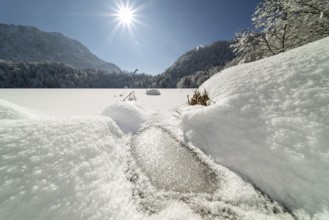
(202, 58)
(29, 44)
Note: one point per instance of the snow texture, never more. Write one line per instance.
(270, 124)
(62, 169)
(75, 168)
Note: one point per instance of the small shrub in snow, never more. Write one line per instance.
(152, 92)
(131, 97)
(199, 99)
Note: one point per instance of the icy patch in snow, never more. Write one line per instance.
(270, 124)
(170, 164)
(127, 115)
(11, 111)
(180, 174)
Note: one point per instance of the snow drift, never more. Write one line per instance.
(62, 169)
(270, 124)
(127, 115)
(11, 111)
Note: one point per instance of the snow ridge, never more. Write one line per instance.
(270, 123)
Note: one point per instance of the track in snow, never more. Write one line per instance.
(164, 170)
(170, 164)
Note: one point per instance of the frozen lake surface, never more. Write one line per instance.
(78, 102)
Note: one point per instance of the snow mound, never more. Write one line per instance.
(9, 110)
(63, 169)
(152, 92)
(127, 115)
(270, 124)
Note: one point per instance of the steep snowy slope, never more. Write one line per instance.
(24, 43)
(270, 123)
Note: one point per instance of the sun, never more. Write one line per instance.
(126, 15)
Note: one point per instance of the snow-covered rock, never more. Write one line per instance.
(270, 124)
(152, 92)
(127, 115)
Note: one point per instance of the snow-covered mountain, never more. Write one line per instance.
(196, 62)
(25, 43)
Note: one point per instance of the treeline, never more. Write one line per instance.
(58, 75)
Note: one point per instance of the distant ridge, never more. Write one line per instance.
(29, 44)
(196, 63)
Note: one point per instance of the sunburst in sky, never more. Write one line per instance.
(125, 15)
(145, 34)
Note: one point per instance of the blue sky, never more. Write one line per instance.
(164, 29)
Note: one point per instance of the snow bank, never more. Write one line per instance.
(11, 111)
(63, 169)
(152, 92)
(127, 115)
(270, 124)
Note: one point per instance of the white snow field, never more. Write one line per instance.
(86, 168)
(85, 154)
(270, 123)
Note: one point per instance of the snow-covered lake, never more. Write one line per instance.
(78, 102)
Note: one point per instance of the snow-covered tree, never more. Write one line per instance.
(280, 25)
(247, 46)
(315, 14)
